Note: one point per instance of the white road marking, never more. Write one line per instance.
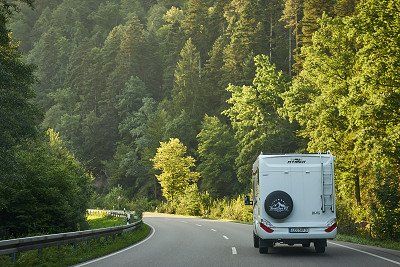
(125, 249)
(225, 237)
(198, 224)
(184, 221)
(234, 252)
(213, 230)
(368, 253)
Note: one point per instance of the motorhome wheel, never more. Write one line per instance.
(278, 205)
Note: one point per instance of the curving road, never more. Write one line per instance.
(184, 241)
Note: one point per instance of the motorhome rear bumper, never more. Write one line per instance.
(283, 233)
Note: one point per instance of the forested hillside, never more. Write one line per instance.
(43, 188)
(172, 101)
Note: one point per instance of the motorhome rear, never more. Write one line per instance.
(294, 200)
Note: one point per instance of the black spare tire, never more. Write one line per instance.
(278, 205)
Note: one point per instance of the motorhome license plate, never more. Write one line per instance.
(298, 230)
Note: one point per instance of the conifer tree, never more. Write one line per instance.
(256, 122)
(188, 93)
(18, 116)
(196, 26)
(246, 31)
(217, 153)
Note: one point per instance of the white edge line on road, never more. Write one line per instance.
(119, 251)
(225, 237)
(184, 221)
(234, 252)
(368, 253)
(198, 224)
(213, 230)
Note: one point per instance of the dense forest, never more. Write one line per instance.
(172, 101)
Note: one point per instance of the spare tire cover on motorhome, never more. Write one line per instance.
(278, 205)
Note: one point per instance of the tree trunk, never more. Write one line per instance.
(357, 190)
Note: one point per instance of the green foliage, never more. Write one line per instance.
(118, 198)
(217, 153)
(344, 99)
(176, 175)
(18, 116)
(97, 62)
(312, 11)
(196, 25)
(187, 88)
(106, 221)
(385, 208)
(48, 192)
(189, 203)
(170, 37)
(7, 7)
(390, 244)
(116, 78)
(233, 209)
(195, 204)
(188, 97)
(245, 27)
(254, 116)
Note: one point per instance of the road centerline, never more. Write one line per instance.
(225, 237)
(199, 225)
(213, 230)
(234, 251)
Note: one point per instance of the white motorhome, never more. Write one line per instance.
(294, 200)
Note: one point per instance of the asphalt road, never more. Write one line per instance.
(182, 241)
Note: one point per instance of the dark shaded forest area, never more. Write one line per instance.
(216, 82)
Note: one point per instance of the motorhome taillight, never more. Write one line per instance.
(331, 228)
(266, 228)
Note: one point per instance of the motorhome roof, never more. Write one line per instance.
(296, 155)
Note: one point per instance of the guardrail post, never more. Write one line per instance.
(14, 257)
(40, 252)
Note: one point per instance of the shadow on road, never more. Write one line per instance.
(291, 251)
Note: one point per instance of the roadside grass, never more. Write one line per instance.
(67, 255)
(391, 244)
(97, 221)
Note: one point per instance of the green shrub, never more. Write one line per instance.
(48, 193)
(193, 203)
(117, 199)
(386, 208)
(236, 210)
(346, 224)
(142, 204)
(166, 207)
(190, 202)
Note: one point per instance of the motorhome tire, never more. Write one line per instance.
(278, 204)
(319, 247)
(263, 250)
(256, 240)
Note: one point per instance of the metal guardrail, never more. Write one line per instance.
(13, 246)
